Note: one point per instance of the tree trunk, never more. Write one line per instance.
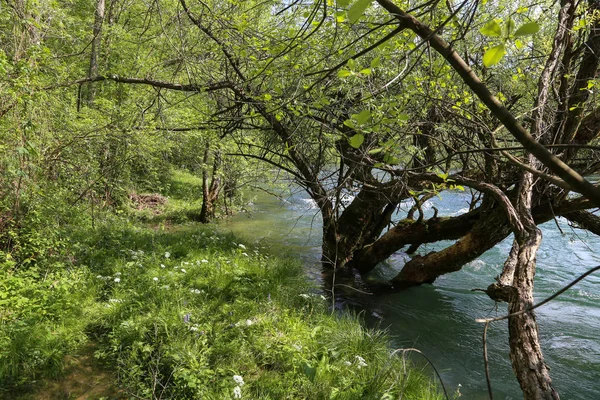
(210, 192)
(525, 351)
(88, 92)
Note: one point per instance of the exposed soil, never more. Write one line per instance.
(151, 201)
(84, 379)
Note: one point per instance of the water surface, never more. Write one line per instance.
(439, 319)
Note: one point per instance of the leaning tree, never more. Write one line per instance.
(366, 108)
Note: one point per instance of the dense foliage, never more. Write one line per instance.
(364, 104)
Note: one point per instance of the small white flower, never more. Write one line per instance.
(118, 274)
(297, 347)
(183, 270)
(347, 363)
(204, 261)
(245, 254)
(361, 362)
(155, 279)
(241, 246)
(99, 277)
(167, 254)
(249, 322)
(193, 328)
(239, 380)
(117, 280)
(162, 265)
(237, 392)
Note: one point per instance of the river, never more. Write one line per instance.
(439, 319)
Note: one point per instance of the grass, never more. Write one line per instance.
(185, 312)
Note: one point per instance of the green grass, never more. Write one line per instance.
(177, 313)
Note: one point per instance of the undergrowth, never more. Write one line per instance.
(186, 312)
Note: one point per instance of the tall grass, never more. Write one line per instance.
(186, 312)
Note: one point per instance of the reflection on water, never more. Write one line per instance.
(439, 319)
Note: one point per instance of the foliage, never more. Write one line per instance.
(178, 312)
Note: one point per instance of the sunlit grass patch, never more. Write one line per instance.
(181, 313)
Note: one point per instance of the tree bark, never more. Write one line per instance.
(525, 350)
(210, 192)
(88, 92)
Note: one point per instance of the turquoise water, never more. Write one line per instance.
(439, 319)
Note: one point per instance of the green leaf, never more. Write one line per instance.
(375, 62)
(375, 151)
(357, 10)
(518, 44)
(309, 370)
(366, 71)
(530, 28)
(493, 55)
(267, 96)
(362, 116)
(491, 29)
(356, 140)
(343, 3)
(343, 73)
(510, 27)
(403, 117)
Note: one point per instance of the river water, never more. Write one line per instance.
(439, 319)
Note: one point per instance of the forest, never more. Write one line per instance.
(131, 131)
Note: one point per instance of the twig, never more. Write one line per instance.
(486, 362)
(404, 351)
(546, 300)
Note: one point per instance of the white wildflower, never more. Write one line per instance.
(249, 322)
(347, 363)
(305, 296)
(155, 279)
(118, 274)
(204, 261)
(99, 277)
(183, 270)
(361, 362)
(237, 392)
(193, 328)
(117, 280)
(162, 265)
(245, 254)
(239, 380)
(241, 246)
(167, 254)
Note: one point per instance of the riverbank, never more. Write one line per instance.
(179, 310)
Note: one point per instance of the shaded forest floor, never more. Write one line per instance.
(83, 378)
